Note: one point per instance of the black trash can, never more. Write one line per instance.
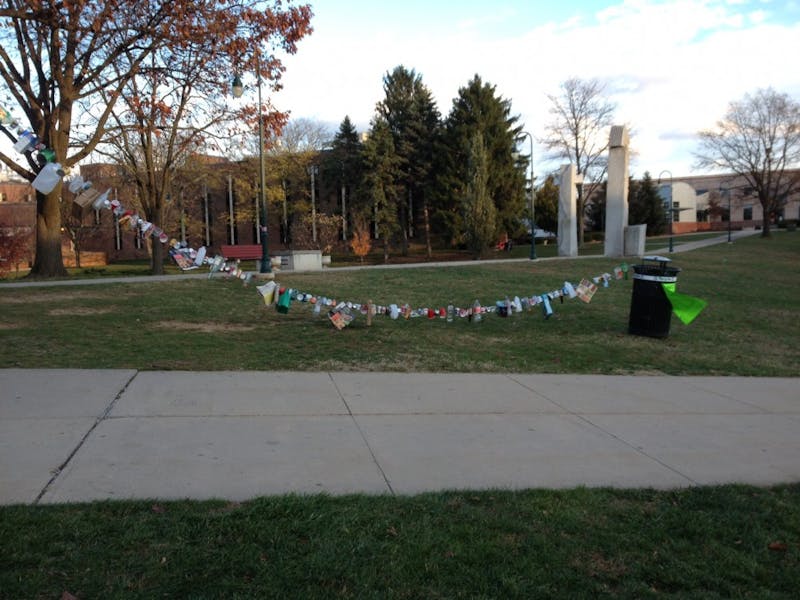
(651, 311)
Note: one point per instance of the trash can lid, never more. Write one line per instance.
(657, 258)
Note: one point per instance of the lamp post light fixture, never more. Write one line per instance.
(532, 201)
(237, 88)
(671, 218)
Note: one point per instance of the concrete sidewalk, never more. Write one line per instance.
(203, 274)
(79, 435)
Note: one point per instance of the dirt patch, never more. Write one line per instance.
(49, 297)
(78, 311)
(203, 327)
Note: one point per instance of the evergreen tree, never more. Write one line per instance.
(344, 166)
(546, 206)
(645, 205)
(413, 119)
(478, 109)
(382, 174)
(477, 205)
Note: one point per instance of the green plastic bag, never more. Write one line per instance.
(686, 308)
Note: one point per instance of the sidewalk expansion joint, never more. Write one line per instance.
(591, 423)
(363, 436)
(60, 469)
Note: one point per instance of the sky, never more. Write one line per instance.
(671, 67)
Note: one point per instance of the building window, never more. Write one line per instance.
(747, 213)
(2, 197)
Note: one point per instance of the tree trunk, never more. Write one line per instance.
(385, 248)
(767, 214)
(157, 257)
(404, 229)
(49, 261)
(428, 249)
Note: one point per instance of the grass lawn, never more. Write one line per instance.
(750, 326)
(707, 542)
(722, 542)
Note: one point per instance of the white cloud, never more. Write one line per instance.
(673, 67)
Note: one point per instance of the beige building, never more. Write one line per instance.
(709, 200)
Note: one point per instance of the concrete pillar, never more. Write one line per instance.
(617, 191)
(567, 222)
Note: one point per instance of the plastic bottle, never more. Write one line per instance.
(451, 311)
(48, 178)
(26, 141)
(476, 312)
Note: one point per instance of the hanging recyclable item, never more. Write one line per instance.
(585, 290)
(26, 142)
(547, 310)
(341, 316)
(48, 178)
(285, 301)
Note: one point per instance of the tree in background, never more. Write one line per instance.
(86, 53)
(546, 207)
(478, 207)
(80, 230)
(290, 153)
(381, 181)
(759, 140)
(578, 133)
(413, 119)
(361, 242)
(479, 110)
(646, 206)
(13, 248)
(344, 165)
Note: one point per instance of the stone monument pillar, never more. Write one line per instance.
(567, 222)
(617, 191)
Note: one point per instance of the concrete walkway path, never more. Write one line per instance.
(203, 274)
(80, 435)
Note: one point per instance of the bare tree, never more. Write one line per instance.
(578, 132)
(759, 140)
(56, 57)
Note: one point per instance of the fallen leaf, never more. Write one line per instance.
(68, 596)
(158, 508)
(392, 531)
(778, 546)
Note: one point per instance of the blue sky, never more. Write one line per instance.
(671, 67)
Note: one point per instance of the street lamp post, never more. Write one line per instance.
(238, 89)
(313, 170)
(344, 210)
(670, 206)
(532, 201)
(727, 192)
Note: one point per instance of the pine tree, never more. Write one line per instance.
(382, 173)
(546, 207)
(413, 119)
(344, 166)
(478, 109)
(645, 205)
(477, 204)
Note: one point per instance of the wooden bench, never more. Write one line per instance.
(242, 251)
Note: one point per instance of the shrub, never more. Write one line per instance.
(13, 249)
